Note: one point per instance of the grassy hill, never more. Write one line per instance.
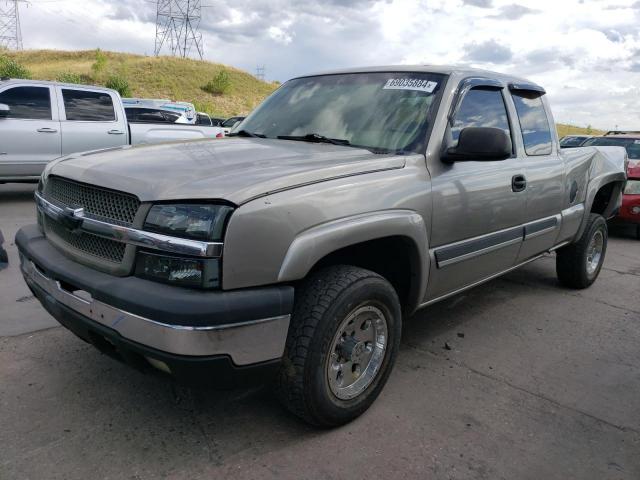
(154, 77)
(171, 77)
(564, 129)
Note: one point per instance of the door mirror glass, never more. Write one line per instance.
(480, 143)
(4, 110)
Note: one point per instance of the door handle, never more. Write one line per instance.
(518, 183)
(115, 132)
(47, 130)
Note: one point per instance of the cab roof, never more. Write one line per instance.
(451, 70)
(36, 83)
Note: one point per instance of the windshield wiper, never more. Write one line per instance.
(315, 138)
(246, 133)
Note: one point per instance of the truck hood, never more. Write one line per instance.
(233, 169)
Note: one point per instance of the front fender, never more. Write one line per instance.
(315, 243)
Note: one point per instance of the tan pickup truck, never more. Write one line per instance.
(291, 251)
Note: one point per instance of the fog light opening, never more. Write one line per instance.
(159, 365)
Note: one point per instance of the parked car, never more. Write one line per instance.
(231, 122)
(630, 209)
(293, 250)
(40, 121)
(630, 142)
(573, 141)
(217, 122)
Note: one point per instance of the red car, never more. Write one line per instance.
(630, 209)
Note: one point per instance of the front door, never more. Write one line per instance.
(30, 134)
(477, 216)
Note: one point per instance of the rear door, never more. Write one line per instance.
(30, 135)
(476, 228)
(546, 192)
(90, 121)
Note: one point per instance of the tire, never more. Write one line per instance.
(314, 381)
(578, 264)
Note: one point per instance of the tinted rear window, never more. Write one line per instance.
(534, 123)
(32, 103)
(84, 106)
(151, 115)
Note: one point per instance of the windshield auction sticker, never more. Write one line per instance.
(410, 84)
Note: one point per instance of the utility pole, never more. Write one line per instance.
(178, 27)
(10, 33)
(260, 72)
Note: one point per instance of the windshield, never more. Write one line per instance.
(387, 111)
(632, 145)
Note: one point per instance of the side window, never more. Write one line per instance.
(33, 103)
(481, 108)
(534, 123)
(84, 106)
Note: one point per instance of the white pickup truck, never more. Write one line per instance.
(41, 121)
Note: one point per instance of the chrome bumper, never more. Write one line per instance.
(246, 343)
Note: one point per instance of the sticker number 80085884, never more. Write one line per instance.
(410, 84)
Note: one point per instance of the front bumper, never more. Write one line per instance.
(175, 326)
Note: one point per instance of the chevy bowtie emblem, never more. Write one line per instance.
(72, 217)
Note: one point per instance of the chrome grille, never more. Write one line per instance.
(100, 203)
(102, 248)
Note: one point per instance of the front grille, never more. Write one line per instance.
(102, 248)
(102, 204)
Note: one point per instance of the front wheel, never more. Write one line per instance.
(342, 344)
(578, 264)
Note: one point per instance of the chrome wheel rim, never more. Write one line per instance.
(594, 252)
(357, 352)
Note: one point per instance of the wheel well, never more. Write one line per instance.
(602, 199)
(395, 258)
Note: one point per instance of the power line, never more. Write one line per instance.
(10, 32)
(260, 72)
(178, 27)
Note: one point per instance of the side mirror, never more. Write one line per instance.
(480, 143)
(4, 110)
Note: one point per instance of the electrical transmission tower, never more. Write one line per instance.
(10, 33)
(178, 27)
(260, 72)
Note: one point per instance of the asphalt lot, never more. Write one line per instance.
(539, 382)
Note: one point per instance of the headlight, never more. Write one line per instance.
(202, 222)
(196, 222)
(181, 271)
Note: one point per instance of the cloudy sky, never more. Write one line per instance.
(586, 53)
